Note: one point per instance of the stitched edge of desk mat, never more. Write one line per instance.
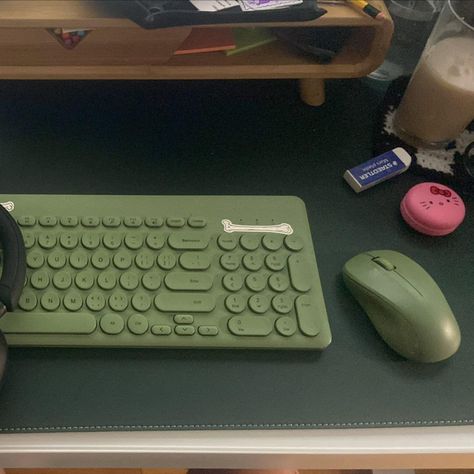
(244, 426)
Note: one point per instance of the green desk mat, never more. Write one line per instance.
(231, 138)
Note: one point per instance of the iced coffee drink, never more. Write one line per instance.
(439, 101)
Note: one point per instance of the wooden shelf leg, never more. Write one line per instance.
(312, 91)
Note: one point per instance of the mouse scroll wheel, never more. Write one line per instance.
(384, 263)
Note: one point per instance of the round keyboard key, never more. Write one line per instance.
(129, 280)
(137, 324)
(111, 221)
(50, 301)
(279, 282)
(34, 259)
(141, 301)
(132, 221)
(78, 259)
(90, 241)
(259, 304)
(187, 241)
(28, 239)
(144, 260)
(276, 261)
(185, 330)
(166, 260)
(160, 330)
(230, 261)
(208, 330)
(134, 240)
(26, 221)
(90, 221)
(232, 282)
(72, 301)
(84, 280)
(57, 259)
(47, 240)
(48, 221)
(68, 240)
(272, 242)
(155, 241)
(194, 261)
(252, 261)
(235, 303)
(197, 222)
(27, 301)
(62, 280)
(256, 282)
(111, 323)
(153, 222)
(112, 240)
(118, 301)
(69, 221)
(100, 260)
(250, 326)
(282, 304)
(175, 222)
(183, 319)
(227, 241)
(107, 280)
(249, 241)
(151, 280)
(95, 301)
(285, 326)
(122, 260)
(39, 280)
(293, 242)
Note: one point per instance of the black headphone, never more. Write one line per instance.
(13, 271)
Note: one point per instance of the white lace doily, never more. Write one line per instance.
(436, 160)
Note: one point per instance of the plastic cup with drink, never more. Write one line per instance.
(439, 101)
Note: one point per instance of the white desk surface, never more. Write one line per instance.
(384, 448)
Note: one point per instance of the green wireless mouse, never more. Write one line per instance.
(405, 305)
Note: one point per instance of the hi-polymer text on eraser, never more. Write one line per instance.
(378, 169)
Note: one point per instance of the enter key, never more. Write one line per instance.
(308, 315)
(188, 281)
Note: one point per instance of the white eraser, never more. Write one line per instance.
(378, 169)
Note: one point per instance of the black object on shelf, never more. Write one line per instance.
(321, 44)
(151, 14)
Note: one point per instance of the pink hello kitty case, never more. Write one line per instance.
(432, 209)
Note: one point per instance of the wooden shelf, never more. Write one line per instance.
(91, 14)
(120, 49)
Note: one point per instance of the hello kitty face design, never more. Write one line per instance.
(432, 209)
(441, 192)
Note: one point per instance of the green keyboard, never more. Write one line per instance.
(166, 272)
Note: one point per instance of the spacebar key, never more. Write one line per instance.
(48, 323)
(189, 302)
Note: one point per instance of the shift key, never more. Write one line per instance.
(48, 323)
(185, 302)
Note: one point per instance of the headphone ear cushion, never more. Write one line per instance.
(14, 260)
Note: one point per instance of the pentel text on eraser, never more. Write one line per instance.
(378, 169)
